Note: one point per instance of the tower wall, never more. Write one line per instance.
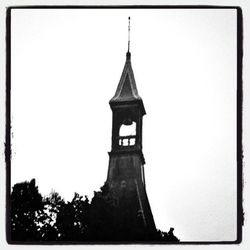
(124, 167)
(126, 182)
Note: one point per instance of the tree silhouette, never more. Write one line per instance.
(101, 216)
(26, 206)
(34, 218)
(52, 206)
(72, 219)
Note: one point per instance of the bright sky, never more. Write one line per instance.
(66, 65)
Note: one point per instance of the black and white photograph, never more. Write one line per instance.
(124, 125)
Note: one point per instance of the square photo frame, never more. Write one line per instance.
(76, 74)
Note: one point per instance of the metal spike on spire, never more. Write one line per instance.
(128, 33)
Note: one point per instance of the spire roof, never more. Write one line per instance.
(126, 90)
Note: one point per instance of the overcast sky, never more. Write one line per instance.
(66, 65)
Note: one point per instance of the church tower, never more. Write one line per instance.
(126, 160)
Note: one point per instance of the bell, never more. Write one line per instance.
(127, 121)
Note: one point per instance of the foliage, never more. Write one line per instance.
(101, 216)
(34, 218)
(52, 205)
(26, 207)
(72, 219)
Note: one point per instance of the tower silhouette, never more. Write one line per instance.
(126, 177)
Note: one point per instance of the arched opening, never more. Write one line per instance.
(127, 130)
(127, 134)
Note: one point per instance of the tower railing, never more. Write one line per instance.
(127, 141)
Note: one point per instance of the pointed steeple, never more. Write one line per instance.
(126, 90)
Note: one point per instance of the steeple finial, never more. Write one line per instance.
(128, 33)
